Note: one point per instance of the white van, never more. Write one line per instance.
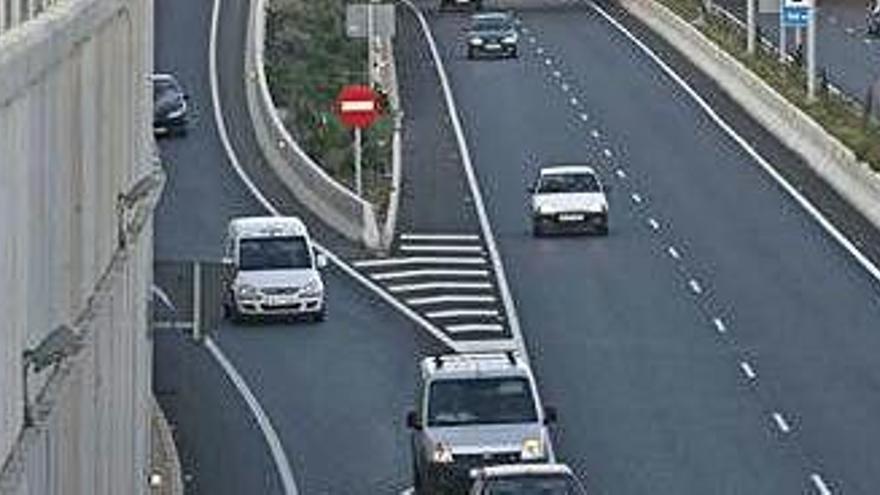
(273, 269)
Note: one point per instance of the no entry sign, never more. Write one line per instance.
(357, 106)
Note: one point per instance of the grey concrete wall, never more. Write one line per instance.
(75, 132)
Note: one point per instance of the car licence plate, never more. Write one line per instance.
(493, 46)
(571, 217)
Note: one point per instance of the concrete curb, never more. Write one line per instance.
(164, 458)
(826, 155)
(333, 203)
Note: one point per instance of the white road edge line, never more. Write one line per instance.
(817, 215)
(275, 447)
(748, 370)
(820, 484)
(781, 423)
(489, 238)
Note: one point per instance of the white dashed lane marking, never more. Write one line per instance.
(548, 61)
(621, 173)
(820, 484)
(595, 134)
(719, 325)
(695, 287)
(573, 101)
(584, 117)
(539, 50)
(781, 423)
(654, 224)
(673, 252)
(565, 87)
(607, 152)
(557, 74)
(637, 198)
(748, 370)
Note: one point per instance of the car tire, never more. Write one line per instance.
(320, 315)
(603, 228)
(537, 230)
(471, 54)
(514, 53)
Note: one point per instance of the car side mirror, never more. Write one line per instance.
(550, 415)
(531, 189)
(606, 188)
(321, 260)
(412, 421)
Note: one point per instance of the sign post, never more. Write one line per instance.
(358, 107)
(801, 14)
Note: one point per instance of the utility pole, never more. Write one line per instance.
(811, 55)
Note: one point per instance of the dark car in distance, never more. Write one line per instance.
(492, 33)
(170, 109)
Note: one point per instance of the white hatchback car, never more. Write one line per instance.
(569, 198)
(274, 269)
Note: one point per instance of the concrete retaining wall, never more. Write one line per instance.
(335, 204)
(75, 132)
(824, 153)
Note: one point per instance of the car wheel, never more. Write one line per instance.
(320, 315)
(514, 53)
(537, 230)
(470, 53)
(603, 228)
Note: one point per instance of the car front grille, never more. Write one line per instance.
(280, 291)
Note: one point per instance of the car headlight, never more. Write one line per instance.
(247, 292)
(442, 454)
(312, 289)
(476, 41)
(532, 449)
(511, 39)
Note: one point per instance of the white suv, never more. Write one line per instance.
(567, 198)
(274, 269)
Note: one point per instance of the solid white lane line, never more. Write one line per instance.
(719, 325)
(820, 484)
(439, 237)
(607, 153)
(422, 260)
(655, 225)
(748, 370)
(695, 287)
(430, 273)
(584, 117)
(396, 289)
(275, 447)
(673, 252)
(621, 173)
(637, 198)
(474, 327)
(450, 298)
(479, 204)
(817, 215)
(781, 423)
(459, 313)
(440, 248)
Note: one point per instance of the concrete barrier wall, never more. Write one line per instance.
(75, 132)
(334, 203)
(824, 153)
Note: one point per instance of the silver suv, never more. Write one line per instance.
(475, 410)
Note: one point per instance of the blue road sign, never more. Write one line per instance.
(795, 16)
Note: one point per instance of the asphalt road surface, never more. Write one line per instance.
(336, 392)
(738, 361)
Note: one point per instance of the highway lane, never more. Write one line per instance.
(651, 394)
(336, 391)
(850, 56)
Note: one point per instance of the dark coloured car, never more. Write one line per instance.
(492, 33)
(170, 109)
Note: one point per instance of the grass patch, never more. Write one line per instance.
(831, 111)
(308, 60)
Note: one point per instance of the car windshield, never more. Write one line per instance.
(568, 183)
(481, 401)
(499, 23)
(533, 485)
(274, 253)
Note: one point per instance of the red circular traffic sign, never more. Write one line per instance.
(357, 105)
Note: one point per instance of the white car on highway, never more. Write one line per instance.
(569, 198)
(273, 269)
